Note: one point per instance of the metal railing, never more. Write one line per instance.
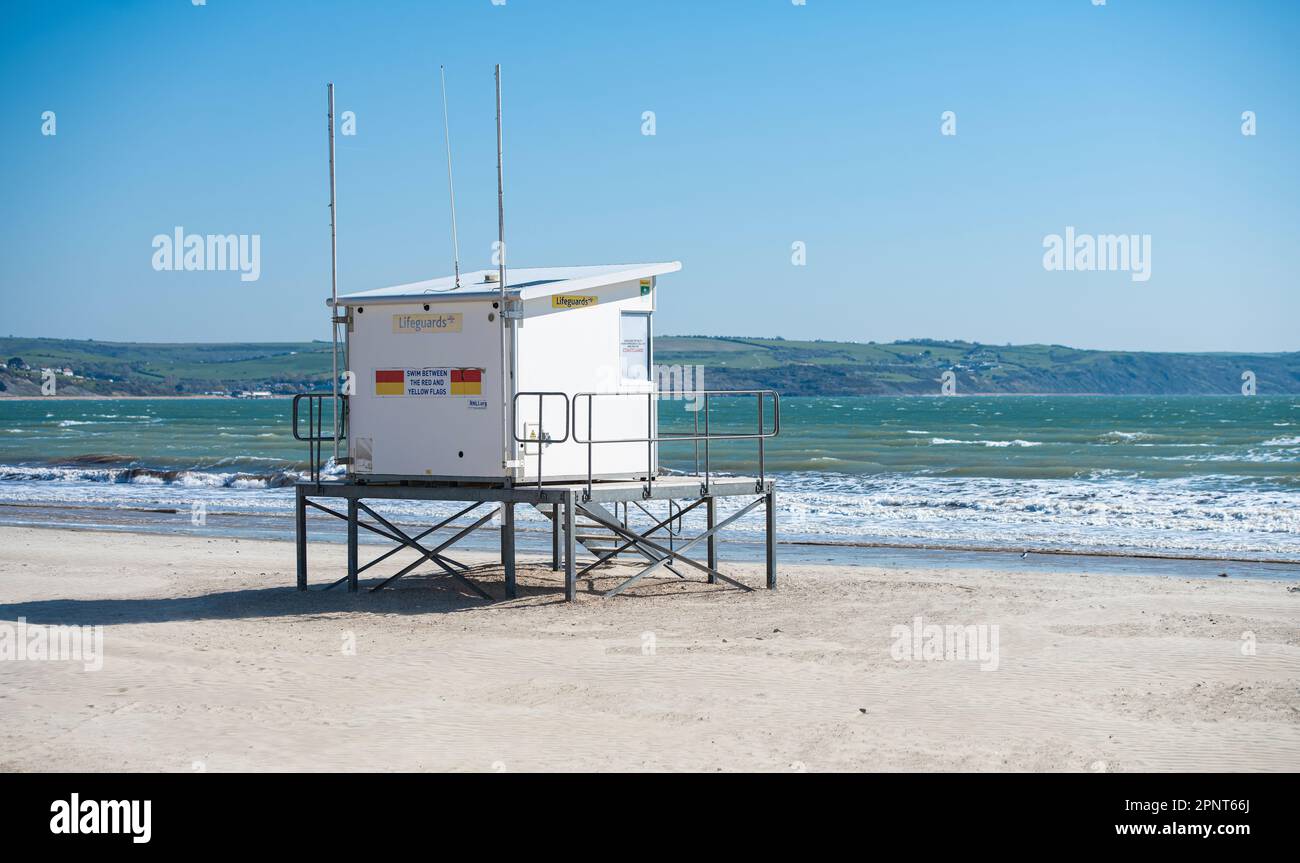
(315, 435)
(651, 438)
(542, 439)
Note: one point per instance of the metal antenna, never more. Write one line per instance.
(451, 187)
(334, 278)
(507, 419)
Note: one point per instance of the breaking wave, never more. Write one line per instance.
(939, 441)
(184, 478)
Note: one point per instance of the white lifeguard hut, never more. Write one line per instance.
(426, 362)
(517, 386)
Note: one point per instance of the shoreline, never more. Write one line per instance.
(329, 532)
(1123, 554)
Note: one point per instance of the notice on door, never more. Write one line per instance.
(634, 346)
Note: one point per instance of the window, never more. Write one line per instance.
(634, 346)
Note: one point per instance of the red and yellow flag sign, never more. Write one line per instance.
(466, 382)
(429, 382)
(390, 382)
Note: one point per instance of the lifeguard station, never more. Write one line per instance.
(537, 386)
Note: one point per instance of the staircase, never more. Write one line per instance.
(587, 532)
(601, 540)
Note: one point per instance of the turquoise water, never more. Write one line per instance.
(1215, 476)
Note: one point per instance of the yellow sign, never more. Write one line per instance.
(573, 301)
(449, 323)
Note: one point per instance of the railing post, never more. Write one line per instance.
(695, 435)
(590, 406)
(649, 441)
(771, 538)
(541, 436)
(706, 443)
(313, 453)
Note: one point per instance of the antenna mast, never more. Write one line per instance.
(334, 279)
(507, 419)
(446, 125)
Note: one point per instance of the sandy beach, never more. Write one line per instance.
(212, 661)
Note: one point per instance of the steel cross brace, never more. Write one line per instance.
(635, 545)
(387, 536)
(637, 540)
(421, 535)
(430, 554)
(671, 554)
(390, 536)
(405, 541)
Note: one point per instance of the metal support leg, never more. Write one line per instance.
(508, 547)
(352, 545)
(555, 537)
(300, 535)
(711, 518)
(570, 552)
(771, 539)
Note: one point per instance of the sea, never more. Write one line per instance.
(1212, 479)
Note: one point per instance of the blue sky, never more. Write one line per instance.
(775, 124)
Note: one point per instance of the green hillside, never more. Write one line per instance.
(915, 367)
(137, 368)
(791, 367)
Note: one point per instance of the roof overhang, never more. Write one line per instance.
(524, 283)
